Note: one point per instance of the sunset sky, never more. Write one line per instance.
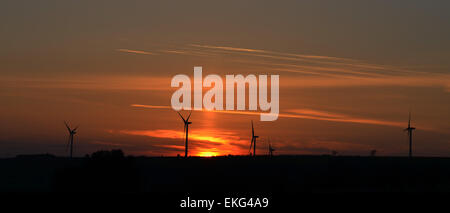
(349, 73)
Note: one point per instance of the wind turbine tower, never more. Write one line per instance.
(271, 149)
(410, 131)
(186, 130)
(253, 141)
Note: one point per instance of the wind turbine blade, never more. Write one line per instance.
(253, 131)
(67, 125)
(189, 116)
(181, 117)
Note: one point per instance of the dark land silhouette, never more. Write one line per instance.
(112, 171)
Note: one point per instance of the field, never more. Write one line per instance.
(233, 174)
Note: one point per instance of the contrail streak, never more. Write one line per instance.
(313, 116)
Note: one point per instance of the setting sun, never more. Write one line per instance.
(207, 154)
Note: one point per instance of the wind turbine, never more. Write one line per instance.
(72, 132)
(271, 149)
(186, 128)
(253, 141)
(410, 130)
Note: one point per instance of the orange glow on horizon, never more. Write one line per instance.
(207, 154)
(227, 141)
(196, 135)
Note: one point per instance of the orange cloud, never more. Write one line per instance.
(326, 116)
(210, 138)
(206, 135)
(302, 114)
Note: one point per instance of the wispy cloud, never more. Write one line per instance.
(287, 62)
(229, 48)
(151, 106)
(239, 49)
(175, 147)
(174, 51)
(308, 64)
(328, 116)
(91, 82)
(135, 51)
(189, 52)
(334, 71)
(302, 114)
(431, 80)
